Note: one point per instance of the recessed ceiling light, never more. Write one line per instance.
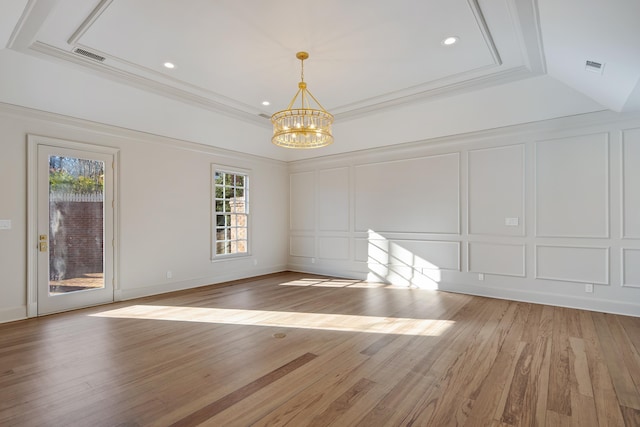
(450, 40)
(266, 103)
(169, 65)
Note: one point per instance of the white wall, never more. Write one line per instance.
(164, 208)
(538, 210)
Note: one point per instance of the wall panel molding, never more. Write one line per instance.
(572, 264)
(503, 259)
(333, 199)
(630, 268)
(572, 186)
(302, 189)
(411, 195)
(417, 254)
(333, 248)
(496, 191)
(303, 246)
(590, 221)
(630, 181)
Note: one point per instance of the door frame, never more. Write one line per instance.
(33, 142)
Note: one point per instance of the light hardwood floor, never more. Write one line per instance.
(300, 350)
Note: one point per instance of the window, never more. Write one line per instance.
(231, 213)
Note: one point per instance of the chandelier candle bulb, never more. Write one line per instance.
(302, 127)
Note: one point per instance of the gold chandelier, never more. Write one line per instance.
(303, 127)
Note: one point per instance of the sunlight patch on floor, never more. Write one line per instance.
(341, 283)
(284, 319)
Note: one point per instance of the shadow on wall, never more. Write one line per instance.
(392, 263)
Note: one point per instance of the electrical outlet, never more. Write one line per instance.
(588, 287)
(313, 260)
(169, 274)
(255, 262)
(480, 276)
(512, 222)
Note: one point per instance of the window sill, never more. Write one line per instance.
(234, 257)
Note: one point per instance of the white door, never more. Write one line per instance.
(75, 222)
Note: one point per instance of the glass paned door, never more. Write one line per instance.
(75, 221)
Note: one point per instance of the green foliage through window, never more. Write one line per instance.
(75, 176)
(231, 212)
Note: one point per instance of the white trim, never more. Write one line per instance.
(215, 167)
(623, 279)
(315, 201)
(32, 226)
(607, 264)
(456, 153)
(523, 159)
(11, 314)
(623, 181)
(556, 300)
(162, 288)
(132, 135)
(486, 34)
(497, 273)
(319, 171)
(88, 22)
(33, 142)
(333, 258)
(607, 233)
(511, 294)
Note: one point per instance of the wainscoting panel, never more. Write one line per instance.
(631, 268)
(302, 246)
(336, 248)
(333, 199)
(413, 195)
(497, 258)
(572, 187)
(496, 191)
(573, 264)
(631, 183)
(302, 201)
(418, 254)
(540, 210)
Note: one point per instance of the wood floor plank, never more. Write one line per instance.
(631, 416)
(229, 400)
(343, 403)
(582, 403)
(559, 397)
(493, 392)
(605, 398)
(420, 380)
(631, 327)
(297, 349)
(628, 353)
(458, 380)
(620, 377)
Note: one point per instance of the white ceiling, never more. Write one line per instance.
(367, 58)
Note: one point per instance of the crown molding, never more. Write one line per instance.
(524, 15)
(148, 84)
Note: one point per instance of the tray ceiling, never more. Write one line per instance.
(232, 55)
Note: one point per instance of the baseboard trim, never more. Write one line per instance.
(163, 288)
(12, 314)
(567, 301)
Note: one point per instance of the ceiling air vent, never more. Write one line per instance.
(88, 54)
(265, 116)
(594, 67)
